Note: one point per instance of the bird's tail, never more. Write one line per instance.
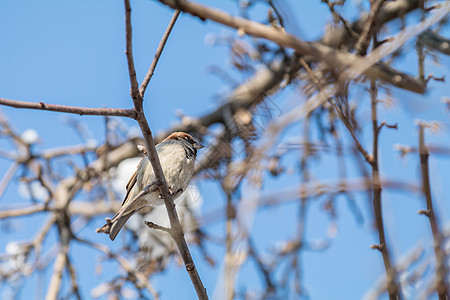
(112, 227)
(117, 224)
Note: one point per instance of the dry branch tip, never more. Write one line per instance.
(105, 228)
(152, 225)
(377, 247)
(425, 212)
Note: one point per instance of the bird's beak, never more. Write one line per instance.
(198, 146)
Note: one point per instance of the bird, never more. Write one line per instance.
(177, 154)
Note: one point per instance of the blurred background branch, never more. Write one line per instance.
(296, 132)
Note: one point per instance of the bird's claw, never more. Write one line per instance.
(171, 193)
(176, 193)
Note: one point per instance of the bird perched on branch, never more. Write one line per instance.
(177, 154)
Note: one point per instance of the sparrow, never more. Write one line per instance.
(177, 154)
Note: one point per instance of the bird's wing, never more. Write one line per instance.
(131, 184)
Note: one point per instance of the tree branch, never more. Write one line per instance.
(441, 270)
(392, 285)
(332, 57)
(28, 210)
(129, 113)
(175, 226)
(343, 118)
(55, 281)
(129, 53)
(130, 268)
(160, 49)
(339, 37)
(435, 41)
(363, 41)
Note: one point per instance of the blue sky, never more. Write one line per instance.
(72, 53)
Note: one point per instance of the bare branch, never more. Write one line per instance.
(367, 156)
(7, 177)
(175, 225)
(58, 268)
(129, 52)
(321, 53)
(392, 285)
(347, 26)
(363, 41)
(404, 264)
(441, 269)
(158, 227)
(73, 279)
(339, 37)
(129, 113)
(435, 41)
(125, 265)
(160, 49)
(28, 210)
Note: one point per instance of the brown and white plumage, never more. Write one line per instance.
(177, 154)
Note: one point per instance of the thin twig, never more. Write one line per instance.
(38, 240)
(263, 267)
(339, 37)
(344, 119)
(421, 60)
(229, 269)
(28, 210)
(363, 40)
(129, 113)
(124, 263)
(73, 279)
(129, 52)
(8, 176)
(157, 227)
(160, 49)
(304, 200)
(441, 270)
(65, 150)
(347, 26)
(404, 267)
(392, 285)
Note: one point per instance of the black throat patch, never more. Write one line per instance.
(191, 152)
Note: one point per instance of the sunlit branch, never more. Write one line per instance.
(158, 53)
(129, 113)
(175, 225)
(332, 57)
